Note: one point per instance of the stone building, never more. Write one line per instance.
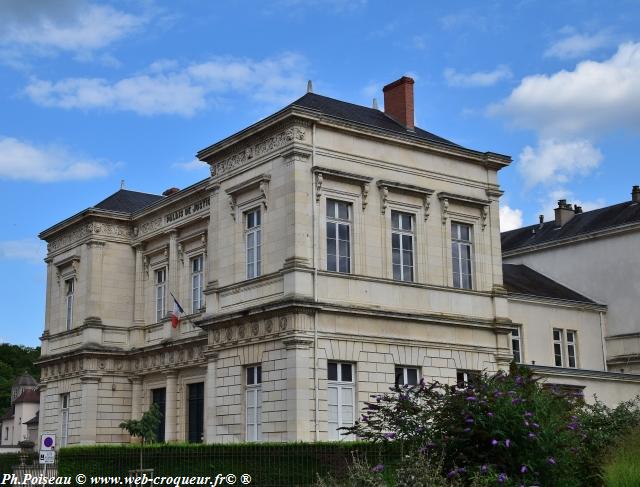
(596, 253)
(334, 251)
(19, 421)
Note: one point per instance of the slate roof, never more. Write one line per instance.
(34, 420)
(521, 279)
(28, 395)
(25, 379)
(126, 201)
(364, 115)
(582, 223)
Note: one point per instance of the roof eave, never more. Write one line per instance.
(89, 212)
(489, 159)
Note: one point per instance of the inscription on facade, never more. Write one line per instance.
(187, 210)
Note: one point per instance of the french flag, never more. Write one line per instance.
(176, 313)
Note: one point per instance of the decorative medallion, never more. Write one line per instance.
(283, 323)
(255, 328)
(229, 333)
(268, 326)
(241, 331)
(216, 336)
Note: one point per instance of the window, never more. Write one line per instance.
(467, 377)
(406, 376)
(571, 349)
(254, 243)
(161, 290)
(461, 250)
(197, 283)
(254, 403)
(64, 419)
(338, 236)
(69, 292)
(402, 245)
(565, 353)
(341, 394)
(557, 347)
(516, 345)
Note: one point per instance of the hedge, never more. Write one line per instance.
(10, 460)
(269, 464)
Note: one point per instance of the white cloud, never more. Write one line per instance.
(479, 78)
(22, 161)
(510, 218)
(577, 45)
(29, 249)
(194, 165)
(595, 97)
(69, 25)
(556, 162)
(170, 89)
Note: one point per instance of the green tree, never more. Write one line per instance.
(15, 360)
(144, 428)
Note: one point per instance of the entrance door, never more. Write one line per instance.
(196, 413)
(159, 397)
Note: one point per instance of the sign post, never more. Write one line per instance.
(47, 450)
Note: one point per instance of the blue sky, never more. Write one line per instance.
(95, 92)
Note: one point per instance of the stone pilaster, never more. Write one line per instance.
(299, 388)
(173, 268)
(210, 399)
(171, 420)
(89, 410)
(138, 306)
(136, 397)
(94, 295)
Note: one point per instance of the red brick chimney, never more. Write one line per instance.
(398, 101)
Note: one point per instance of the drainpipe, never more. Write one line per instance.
(603, 332)
(315, 286)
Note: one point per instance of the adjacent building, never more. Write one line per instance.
(20, 421)
(335, 250)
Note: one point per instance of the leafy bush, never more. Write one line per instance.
(504, 428)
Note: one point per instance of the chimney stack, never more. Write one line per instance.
(170, 191)
(398, 101)
(635, 194)
(564, 212)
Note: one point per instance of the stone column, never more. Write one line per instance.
(136, 397)
(89, 410)
(211, 268)
(299, 389)
(50, 277)
(138, 297)
(171, 420)
(173, 268)
(210, 399)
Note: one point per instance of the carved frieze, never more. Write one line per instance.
(254, 151)
(89, 229)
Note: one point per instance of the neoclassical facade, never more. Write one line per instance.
(335, 250)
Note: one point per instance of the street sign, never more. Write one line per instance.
(47, 457)
(47, 442)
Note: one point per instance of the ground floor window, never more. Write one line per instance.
(64, 419)
(341, 398)
(465, 378)
(254, 403)
(159, 398)
(196, 413)
(406, 376)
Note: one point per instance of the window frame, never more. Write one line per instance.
(338, 222)
(404, 371)
(559, 343)
(253, 400)
(65, 399)
(197, 292)
(255, 251)
(465, 377)
(456, 240)
(340, 386)
(69, 298)
(572, 349)
(401, 232)
(160, 293)
(517, 338)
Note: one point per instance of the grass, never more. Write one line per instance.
(623, 468)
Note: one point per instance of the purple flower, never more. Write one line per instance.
(378, 468)
(472, 398)
(507, 442)
(502, 478)
(453, 473)
(517, 400)
(389, 436)
(484, 468)
(469, 420)
(523, 469)
(490, 414)
(528, 414)
(526, 423)
(535, 425)
(551, 461)
(494, 442)
(572, 426)
(466, 430)
(531, 436)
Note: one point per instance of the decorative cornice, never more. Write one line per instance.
(445, 198)
(352, 178)
(92, 229)
(384, 186)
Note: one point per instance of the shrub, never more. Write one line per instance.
(623, 469)
(503, 428)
